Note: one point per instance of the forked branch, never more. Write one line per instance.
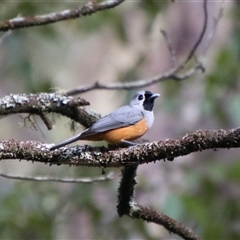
(172, 74)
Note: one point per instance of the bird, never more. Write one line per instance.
(123, 125)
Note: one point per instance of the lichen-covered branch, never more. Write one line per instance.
(35, 103)
(127, 206)
(126, 190)
(103, 157)
(88, 8)
(173, 226)
(44, 103)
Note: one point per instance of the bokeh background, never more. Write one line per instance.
(201, 190)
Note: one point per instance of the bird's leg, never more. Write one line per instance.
(129, 143)
(122, 144)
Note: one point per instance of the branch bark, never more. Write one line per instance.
(173, 226)
(171, 74)
(127, 206)
(44, 103)
(103, 157)
(32, 21)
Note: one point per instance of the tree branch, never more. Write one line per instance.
(193, 50)
(32, 21)
(43, 103)
(62, 180)
(127, 206)
(126, 190)
(172, 74)
(216, 21)
(103, 157)
(173, 226)
(170, 48)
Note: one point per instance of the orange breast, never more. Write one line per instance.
(117, 135)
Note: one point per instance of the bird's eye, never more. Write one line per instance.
(140, 97)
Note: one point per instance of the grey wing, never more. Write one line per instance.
(122, 117)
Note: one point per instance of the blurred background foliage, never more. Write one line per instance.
(124, 44)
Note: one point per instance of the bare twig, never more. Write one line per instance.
(172, 74)
(4, 36)
(62, 180)
(102, 157)
(170, 48)
(46, 120)
(193, 50)
(31, 21)
(215, 24)
(29, 122)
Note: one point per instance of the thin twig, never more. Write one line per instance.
(215, 24)
(31, 21)
(46, 120)
(171, 74)
(170, 48)
(62, 180)
(4, 36)
(193, 50)
(138, 83)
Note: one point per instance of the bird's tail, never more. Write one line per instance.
(66, 142)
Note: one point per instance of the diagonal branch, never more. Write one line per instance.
(215, 24)
(173, 226)
(103, 157)
(170, 48)
(31, 21)
(193, 50)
